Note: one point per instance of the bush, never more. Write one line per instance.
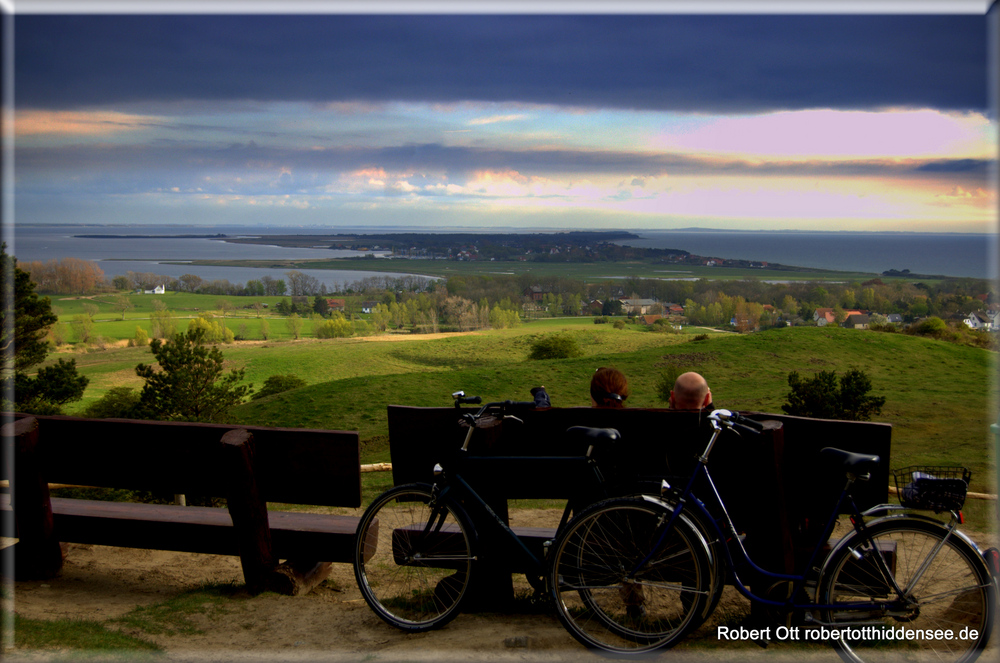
(117, 403)
(822, 398)
(932, 326)
(665, 381)
(619, 324)
(214, 331)
(556, 347)
(700, 337)
(602, 320)
(140, 339)
(336, 327)
(279, 383)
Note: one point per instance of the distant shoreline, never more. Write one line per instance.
(855, 255)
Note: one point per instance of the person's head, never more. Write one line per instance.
(690, 392)
(608, 388)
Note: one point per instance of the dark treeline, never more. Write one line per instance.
(704, 301)
(796, 300)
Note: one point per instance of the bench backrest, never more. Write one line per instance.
(772, 483)
(291, 465)
(654, 442)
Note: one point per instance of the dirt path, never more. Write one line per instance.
(332, 623)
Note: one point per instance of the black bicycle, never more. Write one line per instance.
(901, 585)
(417, 546)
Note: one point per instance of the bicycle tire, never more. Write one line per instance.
(603, 609)
(412, 578)
(717, 569)
(955, 592)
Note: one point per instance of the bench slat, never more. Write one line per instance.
(320, 537)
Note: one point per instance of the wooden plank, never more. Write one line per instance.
(197, 529)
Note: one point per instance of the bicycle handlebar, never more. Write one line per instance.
(730, 419)
(461, 399)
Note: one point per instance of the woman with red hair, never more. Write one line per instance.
(608, 388)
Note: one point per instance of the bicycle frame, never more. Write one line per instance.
(452, 481)
(678, 502)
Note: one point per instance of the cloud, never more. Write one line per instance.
(496, 119)
(691, 63)
(250, 160)
(77, 123)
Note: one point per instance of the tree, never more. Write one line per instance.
(26, 317)
(50, 389)
(321, 306)
(294, 325)
(190, 282)
(612, 307)
(190, 385)
(823, 398)
(123, 304)
(162, 323)
(25, 322)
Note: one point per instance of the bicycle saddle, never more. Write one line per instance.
(849, 461)
(594, 434)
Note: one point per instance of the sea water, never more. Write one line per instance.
(949, 254)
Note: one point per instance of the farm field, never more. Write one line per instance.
(940, 397)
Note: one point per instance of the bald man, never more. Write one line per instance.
(690, 392)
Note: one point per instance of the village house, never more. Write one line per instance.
(856, 321)
(535, 293)
(368, 307)
(336, 304)
(826, 316)
(980, 320)
(158, 290)
(637, 306)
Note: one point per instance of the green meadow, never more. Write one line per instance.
(940, 397)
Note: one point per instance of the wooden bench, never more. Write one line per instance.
(771, 482)
(248, 466)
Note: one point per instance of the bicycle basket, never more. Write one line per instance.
(932, 487)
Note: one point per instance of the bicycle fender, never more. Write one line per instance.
(687, 522)
(853, 535)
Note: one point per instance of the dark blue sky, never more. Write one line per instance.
(663, 120)
(711, 63)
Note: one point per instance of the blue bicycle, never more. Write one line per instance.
(902, 585)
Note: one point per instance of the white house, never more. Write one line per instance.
(980, 320)
(158, 290)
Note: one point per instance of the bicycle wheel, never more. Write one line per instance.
(413, 558)
(943, 588)
(717, 567)
(600, 605)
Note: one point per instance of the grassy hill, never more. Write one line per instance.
(940, 397)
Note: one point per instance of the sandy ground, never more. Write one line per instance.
(331, 623)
